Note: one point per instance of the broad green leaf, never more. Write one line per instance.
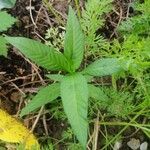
(74, 41)
(7, 3)
(97, 93)
(6, 21)
(103, 67)
(40, 53)
(55, 77)
(44, 96)
(3, 46)
(74, 93)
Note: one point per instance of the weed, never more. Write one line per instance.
(54, 38)
(133, 52)
(72, 87)
(92, 20)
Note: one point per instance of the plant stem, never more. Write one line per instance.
(124, 124)
(114, 82)
(78, 8)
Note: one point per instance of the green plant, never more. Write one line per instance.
(112, 102)
(138, 24)
(72, 86)
(92, 20)
(54, 38)
(132, 48)
(6, 22)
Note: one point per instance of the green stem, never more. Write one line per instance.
(78, 8)
(114, 82)
(141, 126)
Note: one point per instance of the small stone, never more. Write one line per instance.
(134, 144)
(117, 145)
(144, 146)
(30, 7)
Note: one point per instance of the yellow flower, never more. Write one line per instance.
(11, 130)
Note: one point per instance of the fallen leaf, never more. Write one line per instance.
(13, 131)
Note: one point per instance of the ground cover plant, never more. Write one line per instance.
(96, 88)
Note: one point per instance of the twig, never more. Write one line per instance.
(37, 118)
(31, 16)
(45, 125)
(96, 131)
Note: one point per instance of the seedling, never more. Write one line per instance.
(72, 86)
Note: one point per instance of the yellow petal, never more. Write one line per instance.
(11, 130)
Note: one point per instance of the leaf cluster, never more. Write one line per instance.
(72, 86)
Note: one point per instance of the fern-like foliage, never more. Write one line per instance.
(133, 49)
(116, 103)
(134, 52)
(92, 20)
(140, 23)
(120, 103)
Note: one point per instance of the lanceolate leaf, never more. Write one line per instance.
(40, 53)
(7, 3)
(74, 41)
(103, 67)
(74, 93)
(44, 96)
(6, 21)
(3, 46)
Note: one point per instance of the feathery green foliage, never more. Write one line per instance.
(140, 23)
(92, 20)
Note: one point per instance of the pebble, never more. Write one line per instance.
(144, 146)
(134, 144)
(117, 145)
